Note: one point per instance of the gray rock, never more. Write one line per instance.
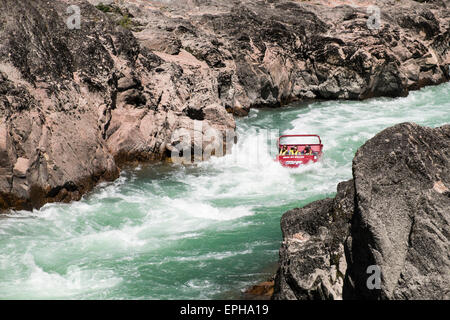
(402, 181)
(394, 215)
(312, 260)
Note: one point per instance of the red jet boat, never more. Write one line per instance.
(299, 149)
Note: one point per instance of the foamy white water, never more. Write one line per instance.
(172, 232)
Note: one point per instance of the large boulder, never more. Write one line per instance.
(402, 215)
(392, 220)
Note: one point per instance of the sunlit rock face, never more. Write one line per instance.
(270, 52)
(76, 104)
(78, 101)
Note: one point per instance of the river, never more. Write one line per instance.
(200, 232)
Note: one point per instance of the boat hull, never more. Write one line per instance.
(297, 161)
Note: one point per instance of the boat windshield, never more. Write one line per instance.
(299, 140)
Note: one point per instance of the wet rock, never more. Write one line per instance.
(261, 291)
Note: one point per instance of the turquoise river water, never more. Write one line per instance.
(203, 232)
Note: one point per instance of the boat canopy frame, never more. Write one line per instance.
(300, 144)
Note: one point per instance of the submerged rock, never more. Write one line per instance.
(261, 291)
(399, 207)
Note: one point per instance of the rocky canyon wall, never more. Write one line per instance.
(76, 104)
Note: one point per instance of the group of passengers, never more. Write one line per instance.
(293, 151)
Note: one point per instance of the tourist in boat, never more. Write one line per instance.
(307, 151)
(283, 151)
(293, 151)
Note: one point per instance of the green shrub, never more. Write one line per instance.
(103, 7)
(125, 22)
